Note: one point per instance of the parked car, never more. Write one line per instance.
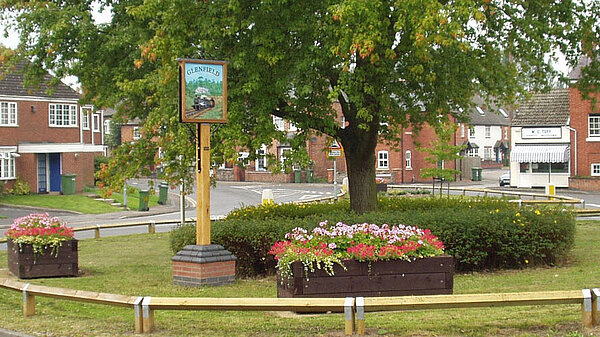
(504, 179)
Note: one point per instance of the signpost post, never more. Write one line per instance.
(335, 150)
(203, 100)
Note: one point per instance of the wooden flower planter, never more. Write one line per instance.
(428, 276)
(24, 264)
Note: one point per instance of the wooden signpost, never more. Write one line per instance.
(203, 100)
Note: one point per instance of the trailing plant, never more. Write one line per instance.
(327, 245)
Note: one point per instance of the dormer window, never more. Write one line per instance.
(480, 110)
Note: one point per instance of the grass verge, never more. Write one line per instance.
(133, 199)
(76, 202)
(142, 267)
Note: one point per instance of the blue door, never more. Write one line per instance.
(54, 161)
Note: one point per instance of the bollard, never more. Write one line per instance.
(147, 316)
(152, 227)
(137, 310)
(28, 302)
(349, 316)
(595, 306)
(360, 316)
(267, 197)
(97, 232)
(586, 309)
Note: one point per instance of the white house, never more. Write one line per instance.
(540, 141)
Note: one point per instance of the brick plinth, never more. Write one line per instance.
(196, 266)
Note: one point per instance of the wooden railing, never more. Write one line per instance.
(354, 309)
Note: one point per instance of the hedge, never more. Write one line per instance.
(483, 234)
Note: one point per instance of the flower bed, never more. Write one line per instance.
(362, 260)
(41, 246)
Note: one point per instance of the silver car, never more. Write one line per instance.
(504, 179)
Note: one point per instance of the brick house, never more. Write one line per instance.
(585, 119)
(45, 135)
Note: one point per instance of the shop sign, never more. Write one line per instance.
(541, 133)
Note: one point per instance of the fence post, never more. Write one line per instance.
(152, 227)
(137, 311)
(97, 232)
(28, 302)
(349, 316)
(360, 315)
(595, 306)
(586, 309)
(147, 316)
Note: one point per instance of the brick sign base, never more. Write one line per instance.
(196, 265)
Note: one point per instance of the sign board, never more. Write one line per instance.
(541, 133)
(334, 149)
(202, 91)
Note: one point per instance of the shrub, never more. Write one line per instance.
(20, 187)
(482, 233)
(1, 188)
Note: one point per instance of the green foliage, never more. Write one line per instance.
(20, 187)
(441, 150)
(394, 62)
(1, 188)
(113, 139)
(481, 233)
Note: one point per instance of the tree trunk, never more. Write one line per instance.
(361, 183)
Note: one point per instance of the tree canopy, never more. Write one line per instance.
(389, 64)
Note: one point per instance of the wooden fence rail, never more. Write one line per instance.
(589, 306)
(353, 308)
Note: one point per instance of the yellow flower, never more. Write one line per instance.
(526, 261)
(497, 210)
(538, 212)
(518, 214)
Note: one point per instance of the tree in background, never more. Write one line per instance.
(440, 151)
(388, 63)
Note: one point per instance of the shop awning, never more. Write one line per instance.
(559, 153)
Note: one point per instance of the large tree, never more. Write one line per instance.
(389, 64)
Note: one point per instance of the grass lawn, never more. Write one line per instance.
(133, 199)
(140, 265)
(76, 202)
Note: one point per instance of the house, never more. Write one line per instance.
(486, 134)
(585, 122)
(45, 134)
(541, 141)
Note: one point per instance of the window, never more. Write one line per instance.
(136, 133)
(96, 122)
(503, 113)
(471, 132)
(594, 125)
(462, 130)
(540, 167)
(7, 166)
(595, 169)
(488, 131)
(278, 122)
(8, 114)
(480, 110)
(261, 158)
(85, 120)
(473, 152)
(293, 127)
(488, 153)
(524, 167)
(408, 160)
(283, 156)
(383, 160)
(63, 115)
(107, 127)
